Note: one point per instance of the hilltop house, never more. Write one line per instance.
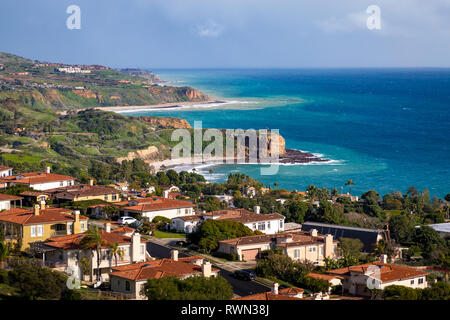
(368, 237)
(40, 223)
(151, 207)
(40, 180)
(130, 279)
(266, 223)
(358, 280)
(6, 199)
(67, 251)
(122, 186)
(300, 245)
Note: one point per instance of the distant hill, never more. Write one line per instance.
(7, 58)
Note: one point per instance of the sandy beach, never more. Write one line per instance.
(156, 106)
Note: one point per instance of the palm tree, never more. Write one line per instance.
(211, 171)
(93, 241)
(116, 251)
(350, 183)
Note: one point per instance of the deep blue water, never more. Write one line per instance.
(389, 128)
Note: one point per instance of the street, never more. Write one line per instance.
(240, 287)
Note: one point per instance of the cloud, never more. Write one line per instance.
(209, 29)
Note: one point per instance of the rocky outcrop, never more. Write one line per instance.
(88, 94)
(151, 153)
(167, 122)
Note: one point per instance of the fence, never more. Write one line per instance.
(117, 295)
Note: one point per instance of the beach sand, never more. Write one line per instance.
(154, 106)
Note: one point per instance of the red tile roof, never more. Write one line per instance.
(82, 190)
(157, 269)
(156, 204)
(243, 216)
(73, 241)
(3, 168)
(388, 272)
(283, 294)
(37, 177)
(8, 197)
(48, 215)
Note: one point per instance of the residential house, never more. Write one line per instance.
(151, 207)
(360, 279)
(5, 171)
(442, 228)
(31, 197)
(226, 198)
(300, 246)
(40, 180)
(68, 251)
(6, 199)
(333, 280)
(349, 196)
(266, 223)
(275, 293)
(84, 192)
(130, 279)
(368, 237)
(251, 192)
(122, 186)
(170, 188)
(40, 223)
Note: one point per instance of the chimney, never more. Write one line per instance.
(42, 205)
(207, 269)
(256, 209)
(328, 246)
(36, 210)
(91, 182)
(108, 227)
(47, 170)
(384, 258)
(77, 222)
(275, 288)
(136, 248)
(166, 194)
(174, 255)
(313, 232)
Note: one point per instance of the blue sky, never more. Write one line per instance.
(229, 33)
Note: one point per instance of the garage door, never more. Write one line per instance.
(250, 254)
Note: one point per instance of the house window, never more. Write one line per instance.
(82, 227)
(186, 211)
(281, 224)
(61, 184)
(262, 226)
(127, 286)
(321, 251)
(420, 280)
(312, 249)
(268, 225)
(114, 197)
(412, 281)
(33, 231)
(40, 230)
(254, 226)
(296, 253)
(106, 197)
(178, 211)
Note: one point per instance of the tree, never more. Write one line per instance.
(193, 288)
(296, 211)
(116, 251)
(110, 211)
(371, 194)
(351, 247)
(447, 197)
(37, 282)
(211, 171)
(401, 228)
(93, 240)
(427, 239)
(350, 183)
(396, 292)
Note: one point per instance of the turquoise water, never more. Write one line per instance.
(386, 129)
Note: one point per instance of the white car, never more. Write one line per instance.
(126, 220)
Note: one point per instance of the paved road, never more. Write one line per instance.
(240, 287)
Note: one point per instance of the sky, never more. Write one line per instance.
(229, 33)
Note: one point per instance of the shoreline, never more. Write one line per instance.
(292, 157)
(156, 106)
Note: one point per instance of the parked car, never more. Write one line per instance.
(181, 243)
(245, 274)
(126, 220)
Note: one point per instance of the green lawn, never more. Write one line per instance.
(162, 234)
(21, 158)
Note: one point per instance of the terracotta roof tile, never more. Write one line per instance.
(155, 204)
(38, 177)
(48, 215)
(388, 272)
(6, 197)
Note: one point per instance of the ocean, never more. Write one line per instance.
(386, 129)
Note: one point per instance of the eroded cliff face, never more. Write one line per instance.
(151, 153)
(167, 122)
(88, 94)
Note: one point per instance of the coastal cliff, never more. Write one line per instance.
(166, 122)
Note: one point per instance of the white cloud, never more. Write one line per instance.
(209, 29)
